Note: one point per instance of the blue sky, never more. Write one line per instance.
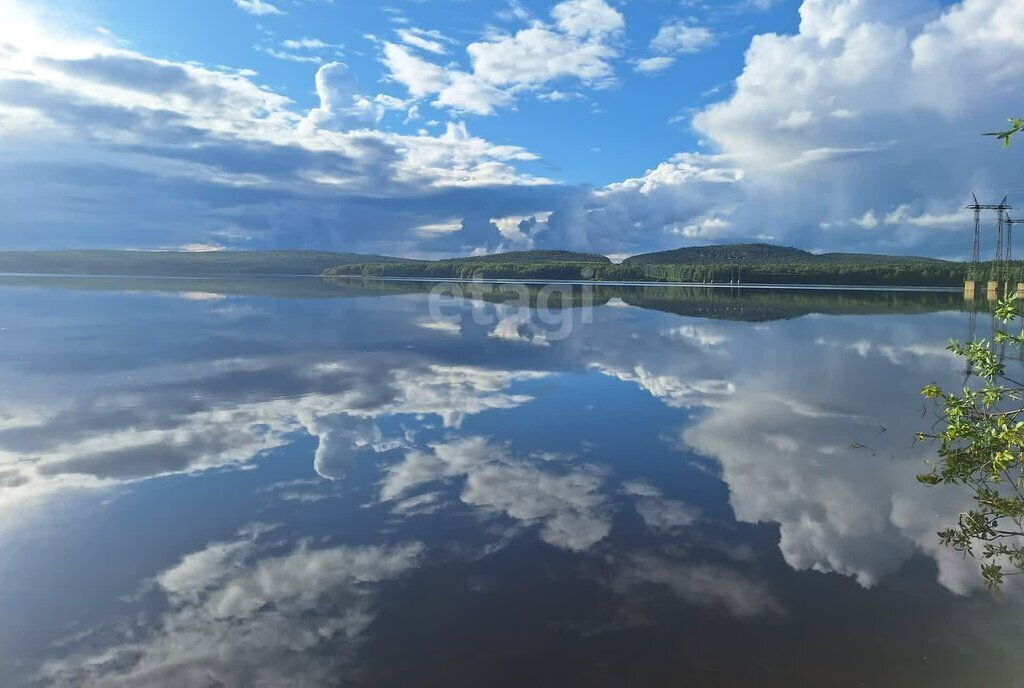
(595, 151)
(433, 127)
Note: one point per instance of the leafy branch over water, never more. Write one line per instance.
(982, 447)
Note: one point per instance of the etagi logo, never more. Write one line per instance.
(549, 311)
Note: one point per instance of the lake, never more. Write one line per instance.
(298, 482)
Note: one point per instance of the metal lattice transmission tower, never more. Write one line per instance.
(998, 267)
(999, 259)
(1010, 222)
(972, 271)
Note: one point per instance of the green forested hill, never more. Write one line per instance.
(874, 258)
(728, 253)
(180, 263)
(739, 254)
(898, 273)
(229, 263)
(549, 265)
(768, 264)
(470, 269)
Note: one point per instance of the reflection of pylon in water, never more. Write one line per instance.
(1014, 273)
(998, 347)
(972, 328)
(1014, 270)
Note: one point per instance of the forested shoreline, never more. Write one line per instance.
(932, 274)
(730, 263)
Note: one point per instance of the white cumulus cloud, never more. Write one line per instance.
(257, 7)
(579, 44)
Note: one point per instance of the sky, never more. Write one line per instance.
(430, 128)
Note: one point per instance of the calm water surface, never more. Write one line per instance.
(286, 482)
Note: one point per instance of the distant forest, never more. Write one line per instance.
(743, 263)
(940, 274)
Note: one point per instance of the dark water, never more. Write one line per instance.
(286, 482)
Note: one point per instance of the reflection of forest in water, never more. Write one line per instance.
(716, 303)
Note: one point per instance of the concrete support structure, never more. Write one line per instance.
(969, 290)
(993, 290)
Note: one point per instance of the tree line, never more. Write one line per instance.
(925, 274)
